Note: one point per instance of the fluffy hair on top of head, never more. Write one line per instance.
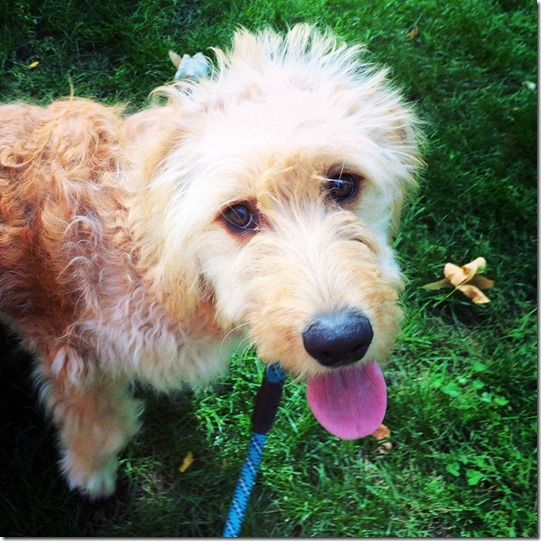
(305, 58)
(307, 55)
(311, 60)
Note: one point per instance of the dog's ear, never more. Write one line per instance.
(394, 129)
(168, 251)
(387, 127)
(404, 141)
(150, 136)
(389, 149)
(160, 220)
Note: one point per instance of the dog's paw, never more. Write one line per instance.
(92, 482)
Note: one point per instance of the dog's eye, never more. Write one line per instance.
(241, 218)
(344, 187)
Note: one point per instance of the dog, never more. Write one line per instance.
(253, 207)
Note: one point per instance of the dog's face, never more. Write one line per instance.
(284, 186)
(299, 238)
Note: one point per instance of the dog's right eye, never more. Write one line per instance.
(241, 218)
(344, 187)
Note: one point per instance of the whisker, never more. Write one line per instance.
(232, 331)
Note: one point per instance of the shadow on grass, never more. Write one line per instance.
(151, 495)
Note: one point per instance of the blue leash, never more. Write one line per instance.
(266, 403)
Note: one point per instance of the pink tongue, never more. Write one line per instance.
(350, 403)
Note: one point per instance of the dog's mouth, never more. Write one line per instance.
(349, 402)
(350, 399)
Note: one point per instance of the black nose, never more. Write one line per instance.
(338, 338)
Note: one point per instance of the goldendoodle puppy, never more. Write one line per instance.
(255, 205)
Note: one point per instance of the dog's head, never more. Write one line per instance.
(275, 198)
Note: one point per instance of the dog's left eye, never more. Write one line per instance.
(343, 188)
(241, 218)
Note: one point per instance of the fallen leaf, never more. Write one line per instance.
(474, 294)
(466, 279)
(33, 64)
(385, 448)
(186, 462)
(175, 58)
(381, 433)
(413, 34)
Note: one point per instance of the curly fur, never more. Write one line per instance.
(115, 261)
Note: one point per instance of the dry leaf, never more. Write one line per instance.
(381, 433)
(186, 462)
(33, 64)
(175, 58)
(466, 279)
(474, 293)
(413, 34)
(385, 448)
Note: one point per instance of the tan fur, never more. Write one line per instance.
(116, 264)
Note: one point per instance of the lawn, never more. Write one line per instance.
(463, 377)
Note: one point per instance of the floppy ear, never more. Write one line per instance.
(159, 218)
(404, 141)
(393, 129)
(389, 124)
(413, 141)
(392, 142)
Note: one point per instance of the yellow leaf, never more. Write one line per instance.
(33, 64)
(381, 433)
(481, 282)
(439, 285)
(474, 293)
(455, 274)
(186, 462)
(466, 279)
(385, 448)
(413, 34)
(477, 266)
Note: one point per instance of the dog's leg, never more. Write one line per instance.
(96, 418)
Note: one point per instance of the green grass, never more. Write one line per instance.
(463, 378)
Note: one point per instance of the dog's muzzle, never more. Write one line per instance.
(338, 338)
